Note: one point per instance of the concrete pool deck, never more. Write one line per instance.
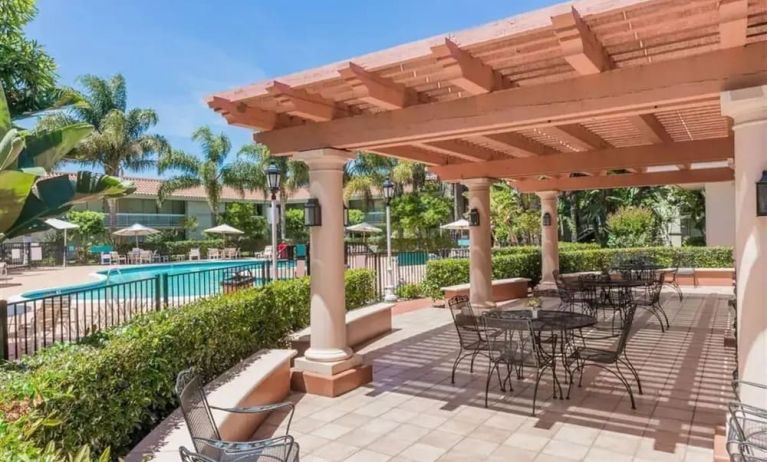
(27, 279)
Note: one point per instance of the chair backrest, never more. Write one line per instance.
(114, 254)
(194, 252)
(213, 251)
(465, 321)
(194, 406)
(268, 250)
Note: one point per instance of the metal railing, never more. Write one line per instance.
(32, 324)
(154, 220)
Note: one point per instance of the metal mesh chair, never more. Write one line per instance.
(472, 340)
(204, 431)
(649, 298)
(273, 450)
(747, 429)
(604, 358)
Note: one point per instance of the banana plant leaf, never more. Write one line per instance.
(15, 187)
(5, 114)
(11, 145)
(44, 149)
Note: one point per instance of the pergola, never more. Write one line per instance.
(595, 94)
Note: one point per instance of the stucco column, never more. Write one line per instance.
(480, 245)
(328, 312)
(549, 239)
(748, 109)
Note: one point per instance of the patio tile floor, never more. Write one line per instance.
(411, 411)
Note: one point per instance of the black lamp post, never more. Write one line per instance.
(761, 196)
(273, 182)
(388, 192)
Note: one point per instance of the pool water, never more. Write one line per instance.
(184, 279)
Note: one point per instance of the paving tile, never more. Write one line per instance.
(420, 452)
(335, 451)
(565, 450)
(366, 455)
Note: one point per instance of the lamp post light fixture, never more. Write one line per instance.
(273, 182)
(388, 192)
(761, 196)
(312, 212)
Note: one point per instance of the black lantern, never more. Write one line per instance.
(346, 215)
(388, 190)
(547, 219)
(473, 217)
(761, 196)
(273, 179)
(312, 213)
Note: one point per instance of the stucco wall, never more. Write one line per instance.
(720, 213)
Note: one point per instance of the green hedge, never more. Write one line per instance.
(111, 389)
(526, 262)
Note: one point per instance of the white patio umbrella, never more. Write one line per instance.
(136, 230)
(456, 225)
(224, 230)
(365, 228)
(61, 225)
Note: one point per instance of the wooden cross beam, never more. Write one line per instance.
(301, 103)
(635, 157)
(733, 23)
(242, 115)
(474, 76)
(521, 145)
(463, 150)
(376, 90)
(580, 47)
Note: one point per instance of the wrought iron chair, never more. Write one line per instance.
(603, 358)
(567, 291)
(205, 434)
(472, 340)
(747, 429)
(684, 266)
(274, 452)
(649, 298)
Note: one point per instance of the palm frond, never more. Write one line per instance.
(174, 184)
(178, 160)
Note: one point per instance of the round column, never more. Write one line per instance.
(748, 109)
(480, 245)
(549, 238)
(328, 301)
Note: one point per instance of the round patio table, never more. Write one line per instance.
(545, 320)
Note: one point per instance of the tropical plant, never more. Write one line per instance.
(28, 194)
(294, 222)
(515, 217)
(245, 217)
(27, 72)
(212, 172)
(356, 216)
(121, 140)
(631, 227)
(294, 175)
(90, 225)
(419, 214)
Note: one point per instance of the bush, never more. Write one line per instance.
(112, 388)
(360, 287)
(631, 227)
(410, 291)
(527, 263)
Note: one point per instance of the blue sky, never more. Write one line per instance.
(174, 52)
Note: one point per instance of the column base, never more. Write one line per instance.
(485, 305)
(547, 287)
(328, 369)
(328, 355)
(333, 385)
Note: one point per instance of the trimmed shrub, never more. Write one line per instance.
(631, 227)
(360, 287)
(410, 291)
(111, 389)
(526, 262)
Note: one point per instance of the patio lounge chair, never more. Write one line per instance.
(106, 258)
(194, 254)
(214, 254)
(146, 256)
(207, 438)
(116, 258)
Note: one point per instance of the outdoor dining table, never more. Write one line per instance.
(559, 323)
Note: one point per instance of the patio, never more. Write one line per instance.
(411, 411)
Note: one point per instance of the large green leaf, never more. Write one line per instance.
(46, 148)
(91, 185)
(5, 114)
(11, 145)
(15, 188)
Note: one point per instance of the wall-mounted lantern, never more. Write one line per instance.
(761, 196)
(346, 216)
(547, 219)
(473, 217)
(312, 213)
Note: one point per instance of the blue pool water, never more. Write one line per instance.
(184, 279)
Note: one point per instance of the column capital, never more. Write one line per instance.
(325, 158)
(745, 105)
(478, 183)
(547, 195)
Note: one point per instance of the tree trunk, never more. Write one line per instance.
(574, 216)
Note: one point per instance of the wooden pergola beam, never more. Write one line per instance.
(650, 128)
(242, 115)
(686, 82)
(375, 90)
(580, 47)
(462, 150)
(415, 154)
(474, 76)
(733, 23)
(577, 136)
(521, 145)
(708, 175)
(301, 103)
(607, 159)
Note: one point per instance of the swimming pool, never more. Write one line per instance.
(184, 279)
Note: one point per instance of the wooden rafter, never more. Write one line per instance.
(733, 23)
(580, 47)
(242, 115)
(652, 130)
(577, 136)
(577, 183)
(376, 90)
(413, 153)
(300, 103)
(607, 159)
(463, 150)
(690, 82)
(474, 77)
(520, 145)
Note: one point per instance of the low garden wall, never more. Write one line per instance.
(526, 262)
(111, 389)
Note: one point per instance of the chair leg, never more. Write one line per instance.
(538, 377)
(633, 370)
(473, 357)
(623, 380)
(455, 364)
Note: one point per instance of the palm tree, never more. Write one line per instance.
(121, 140)
(212, 172)
(294, 175)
